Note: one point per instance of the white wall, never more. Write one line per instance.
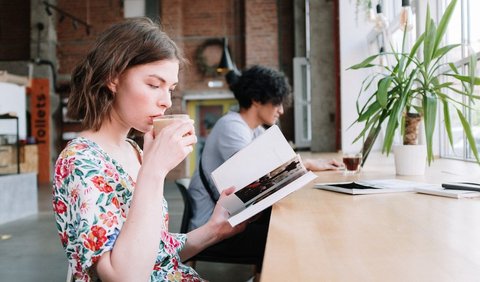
(353, 50)
(13, 99)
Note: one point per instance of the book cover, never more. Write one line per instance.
(264, 172)
(375, 186)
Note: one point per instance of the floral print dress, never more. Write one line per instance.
(91, 198)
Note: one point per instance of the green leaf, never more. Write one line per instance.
(372, 109)
(368, 124)
(468, 133)
(447, 121)
(430, 114)
(368, 144)
(382, 92)
(444, 50)
(464, 78)
(397, 110)
(415, 47)
(428, 46)
(365, 64)
(100, 198)
(442, 25)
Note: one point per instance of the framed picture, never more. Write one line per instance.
(205, 112)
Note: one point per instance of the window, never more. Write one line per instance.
(463, 28)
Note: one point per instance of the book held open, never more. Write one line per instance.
(264, 172)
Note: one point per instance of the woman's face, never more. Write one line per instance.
(268, 113)
(144, 92)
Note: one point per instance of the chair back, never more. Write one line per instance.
(182, 184)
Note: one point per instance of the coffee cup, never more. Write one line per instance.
(160, 122)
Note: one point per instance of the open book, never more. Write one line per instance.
(372, 186)
(263, 173)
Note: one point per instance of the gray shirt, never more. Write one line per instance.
(229, 135)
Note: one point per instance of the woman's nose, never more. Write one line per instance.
(165, 99)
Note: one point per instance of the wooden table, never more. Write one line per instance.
(318, 235)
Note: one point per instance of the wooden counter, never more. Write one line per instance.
(318, 235)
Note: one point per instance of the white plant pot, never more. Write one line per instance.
(410, 159)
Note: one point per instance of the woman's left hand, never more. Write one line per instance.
(219, 219)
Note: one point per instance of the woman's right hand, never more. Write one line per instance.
(166, 150)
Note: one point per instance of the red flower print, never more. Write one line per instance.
(101, 184)
(80, 146)
(175, 263)
(74, 195)
(115, 202)
(110, 171)
(109, 218)
(64, 238)
(95, 239)
(84, 207)
(171, 243)
(63, 168)
(59, 207)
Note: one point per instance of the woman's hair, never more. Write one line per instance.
(260, 84)
(133, 42)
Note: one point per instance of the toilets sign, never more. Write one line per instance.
(40, 122)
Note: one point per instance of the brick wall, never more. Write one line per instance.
(261, 33)
(74, 43)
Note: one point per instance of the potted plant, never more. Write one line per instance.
(413, 88)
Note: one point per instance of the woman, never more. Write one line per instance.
(108, 195)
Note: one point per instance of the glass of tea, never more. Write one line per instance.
(352, 162)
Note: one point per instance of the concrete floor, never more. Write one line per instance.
(30, 248)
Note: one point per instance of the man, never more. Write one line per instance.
(261, 93)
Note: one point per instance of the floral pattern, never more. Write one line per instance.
(91, 198)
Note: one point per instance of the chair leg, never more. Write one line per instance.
(256, 274)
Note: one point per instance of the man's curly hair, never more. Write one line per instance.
(260, 84)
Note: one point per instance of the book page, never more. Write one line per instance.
(263, 173)
(264, 186)
(264, 154)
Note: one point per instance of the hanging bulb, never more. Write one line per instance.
(371, 16)
(406, 16)
(381, 22)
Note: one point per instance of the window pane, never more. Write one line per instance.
(475, 121)
(457, 130)
(474, 23)
(454, 33)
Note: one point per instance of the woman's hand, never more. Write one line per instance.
(219, 219)
(320, 164)
(212, 232)
(172, 144)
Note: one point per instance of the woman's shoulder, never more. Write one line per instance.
(81, 148)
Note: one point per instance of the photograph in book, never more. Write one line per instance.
(264, 186)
